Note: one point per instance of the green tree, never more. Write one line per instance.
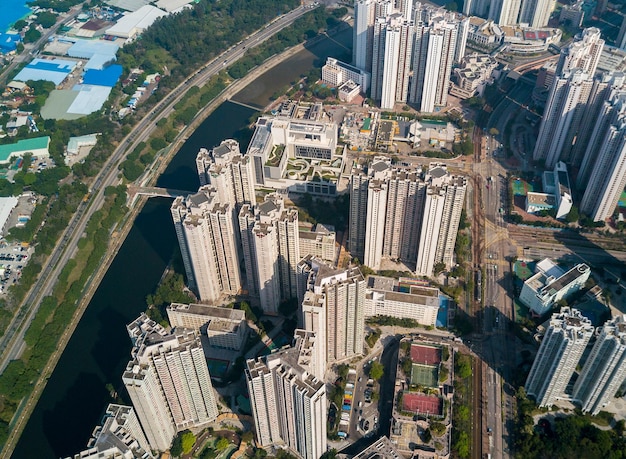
(188, 439)
(438, 428)
(46, 19)
(19, 24)
(376, 370)
(32, 35)
(573, 215)
(439, 268)
(222, 444)
(463, 366)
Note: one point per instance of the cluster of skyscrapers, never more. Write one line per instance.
(534, 13)
(405, 214)
(602, 371)
(221, 228)
(409, 50)
(584, 125)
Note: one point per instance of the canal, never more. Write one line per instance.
(75, 397)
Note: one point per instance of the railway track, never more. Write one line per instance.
(478, 245)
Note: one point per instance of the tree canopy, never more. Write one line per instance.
(376, 370)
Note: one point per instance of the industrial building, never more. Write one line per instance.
(133, 24)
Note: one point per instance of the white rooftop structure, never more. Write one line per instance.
(550, 284)
(7, 205)
(99, 52)
(136, 22)
(90, 99)
(75, 143)
(128, 5)
(172, 5)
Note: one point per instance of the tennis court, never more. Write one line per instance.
(422, 404)
(426, 355)
(425, 375)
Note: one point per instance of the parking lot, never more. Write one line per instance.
(13, 258)
(364, 420)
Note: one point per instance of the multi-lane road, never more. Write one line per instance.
(11, 343)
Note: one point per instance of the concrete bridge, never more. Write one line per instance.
(153, 191)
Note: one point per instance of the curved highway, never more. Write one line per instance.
(12, 342)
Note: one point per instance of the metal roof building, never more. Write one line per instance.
(37, 146)
(90, 99)
(55, 70)
(136, 22)
(99, 52)
(108, 76)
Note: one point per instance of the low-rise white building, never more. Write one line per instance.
(348, 91)
(335, 72)
(473, 75)
(224, 327)
(551, 284)
(385, 297)
(537, 202)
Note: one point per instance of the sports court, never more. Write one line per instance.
(524, 270)
(425, 375)
(521, 188)
(425, 355)
(422, 404)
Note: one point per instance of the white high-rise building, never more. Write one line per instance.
(393, 41)
(333, 307)
(564, 111)
(505, 12)
(375, 230)
(405, 201)
(559, 354)
(573, 97)
(536, 13)
(434, 51)
(606, 159)
(408, 217)
(583, 53)
(431, 227)
(271, 250)
(118, 437)
(288, 401)
(605, 368)
(168, 381)
(206, 232)
(228, 171)
(443, 204)
(364, 15)
(344, 297)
